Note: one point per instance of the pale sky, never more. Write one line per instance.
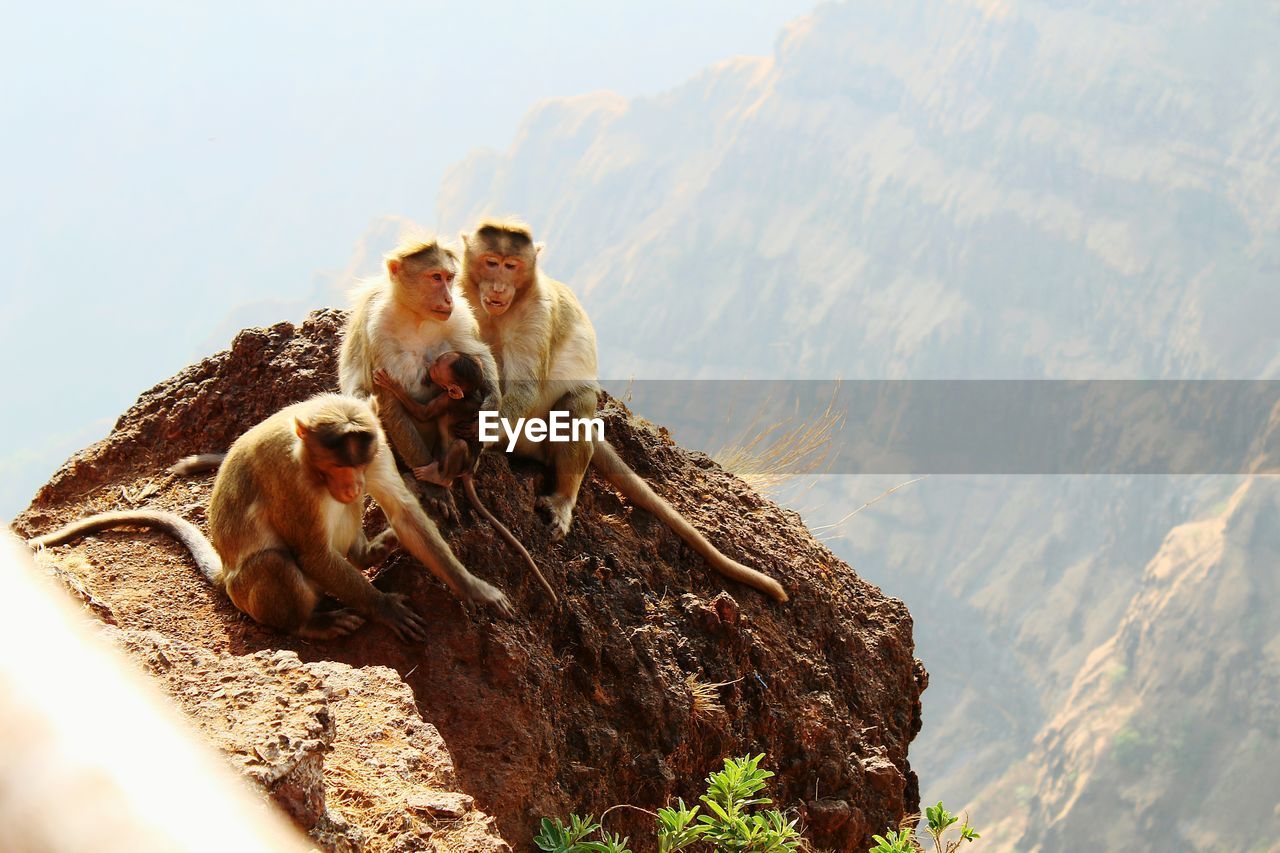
(162, 163)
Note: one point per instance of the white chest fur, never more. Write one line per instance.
(342, 522)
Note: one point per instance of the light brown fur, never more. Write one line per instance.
(400, 320)
(545, 347)
(285, 524)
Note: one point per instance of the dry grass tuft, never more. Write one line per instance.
(767, 456)
(706, 697)
(377, 814)
(827, 532)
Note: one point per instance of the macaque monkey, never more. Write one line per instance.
(400, 320)
(285, 524)
(455, 411)
(545, 347)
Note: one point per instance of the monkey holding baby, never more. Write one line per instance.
(455, 411)
(401, 320)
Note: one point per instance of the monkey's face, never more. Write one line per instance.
(427, 289)
(440, 372)
(499, 278)
(339, 455)
(345, 482)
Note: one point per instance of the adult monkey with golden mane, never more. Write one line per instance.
(400, 322)
(545, 347)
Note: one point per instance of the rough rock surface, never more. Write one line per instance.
(573, 709)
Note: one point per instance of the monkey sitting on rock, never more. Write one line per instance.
(400, 319)
(285, 523)
(545, 349)
(455, 410)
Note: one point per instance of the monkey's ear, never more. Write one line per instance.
(465, 238)
(394, 265)
(537, 248)
(301, 429)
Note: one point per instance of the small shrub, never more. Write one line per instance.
(705, 696)
(731, 822)
(1133, 749)
(939, 825)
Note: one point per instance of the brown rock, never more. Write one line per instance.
(442, 804)
(575, 709)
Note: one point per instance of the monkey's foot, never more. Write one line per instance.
(559, 512)
(330, 624)
(439, 502)
(431, 474)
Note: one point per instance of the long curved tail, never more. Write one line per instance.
(469, 486)
(179, 528)
(610, 465)
(197, 464)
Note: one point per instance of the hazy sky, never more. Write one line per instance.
(164, 162)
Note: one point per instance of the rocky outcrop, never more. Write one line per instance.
(370, 742)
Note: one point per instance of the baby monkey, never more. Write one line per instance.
(456, 413)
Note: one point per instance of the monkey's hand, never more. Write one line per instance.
(439, 502)
(383, 379)
(394, 612)
(482, 592)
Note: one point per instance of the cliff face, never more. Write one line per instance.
(1168, 736)
(569, 709)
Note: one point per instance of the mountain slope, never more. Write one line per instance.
(1169, 737)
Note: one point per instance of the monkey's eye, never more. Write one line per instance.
(511, 265)
(438, 278)
(491, 263)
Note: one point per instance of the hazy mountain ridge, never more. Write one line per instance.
(947, 190)
(992, 204)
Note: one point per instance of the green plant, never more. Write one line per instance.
(1133, 749)
(731, 826)
(939, 822)
(895, 841)
(731, 822)
(676, 828)
(558, 838)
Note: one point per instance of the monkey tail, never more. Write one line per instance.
(197, 464)
(207, 559)
(469, 486)
(610, 465)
